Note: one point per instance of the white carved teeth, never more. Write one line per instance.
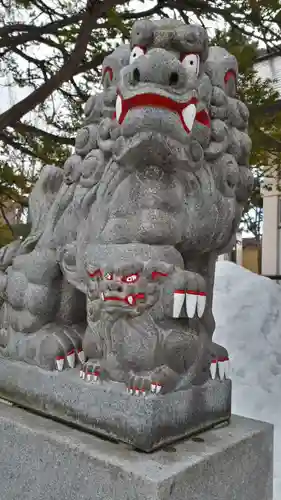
(213, 369)
(102, 296)
(71, 358)
(59, 363)
(179, 296)
(82, 373)
(89, 376)
(118, 107)
(153, 387)
(191, 302)
(188, 115)
(81, 356)
(201, 304)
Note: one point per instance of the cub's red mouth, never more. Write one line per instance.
(130, 299)
(187, 111)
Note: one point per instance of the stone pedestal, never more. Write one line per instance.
(43, 459)
(145, 422)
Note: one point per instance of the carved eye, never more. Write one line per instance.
(94, 274)
(130, 279)
(108, 276)
(136, 53)
(191, 62)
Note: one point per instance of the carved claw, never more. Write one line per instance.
(179, 296)
(141, 385)
(81, 356)
(59, 363)
(219, 368)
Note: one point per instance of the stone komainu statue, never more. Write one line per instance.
(120, 278)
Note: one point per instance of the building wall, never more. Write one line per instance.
(270, 68)
(251, 259)
(271, 230)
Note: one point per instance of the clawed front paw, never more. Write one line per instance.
(158, 382)
(220, 368)
(91, 371)
(61, 348)
(70, 359)
(141, 386)
(189, 291)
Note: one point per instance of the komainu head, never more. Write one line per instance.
(179, 125)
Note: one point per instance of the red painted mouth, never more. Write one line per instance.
(131, 299)
(186, 111)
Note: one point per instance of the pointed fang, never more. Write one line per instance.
(179, 296)
(191, 301)
(81, 356)
(59, 363)
(81, 373)
(158, 388)
(71, 358)
(213, 369)
(201, 304)
(153, 387)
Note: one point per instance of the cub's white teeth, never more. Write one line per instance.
(118, 107)
(191, 301)
(213, 369)
(130, 299)
(188, 115)
(178, 303)
(102, 296)
(201, 304)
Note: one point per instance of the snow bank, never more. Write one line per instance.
(247, 310)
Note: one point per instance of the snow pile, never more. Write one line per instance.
(247, 310)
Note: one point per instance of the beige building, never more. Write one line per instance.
(269, 66)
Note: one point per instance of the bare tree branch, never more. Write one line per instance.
(93, 11)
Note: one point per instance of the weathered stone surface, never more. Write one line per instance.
(42, 459)
(145, 422)
(118, 271)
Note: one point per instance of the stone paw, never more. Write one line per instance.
(220, 368)
(61, 348)
(91, 371)
(161, 381)
(191, 294)
(219, 362)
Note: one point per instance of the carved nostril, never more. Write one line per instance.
(136, 75)
(174, 78)
(120, 289)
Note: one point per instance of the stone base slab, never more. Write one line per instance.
(145, 422)
(43, 459)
